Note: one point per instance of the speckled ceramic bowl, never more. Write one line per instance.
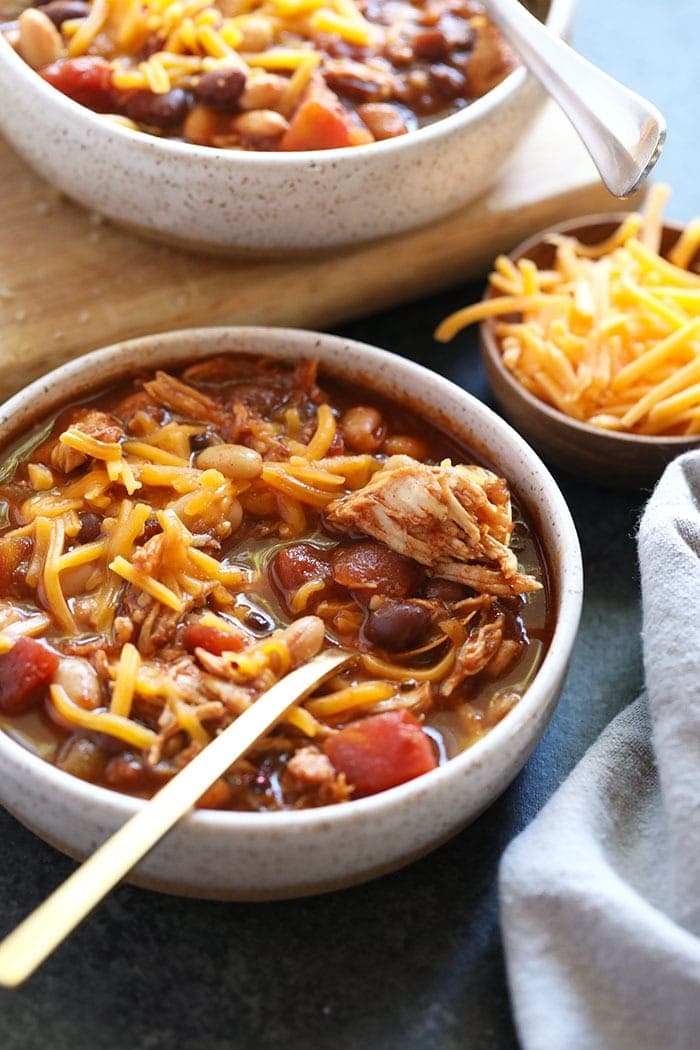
(247, 856)
(266, 203)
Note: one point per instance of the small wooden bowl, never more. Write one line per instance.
(606, 457)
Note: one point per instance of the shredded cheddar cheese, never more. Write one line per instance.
(611, 334)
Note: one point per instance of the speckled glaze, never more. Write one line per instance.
(246, 856)
(264, 203)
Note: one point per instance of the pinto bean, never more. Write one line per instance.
(40, 42)
(363, 428)
(383, 120)
(405, 445)
(233, 461)
(305, 638)
(257, 33)
(221, 89)
(265, 91)
(260, 124)
(80, 681)
(200, 125)
(159, 111)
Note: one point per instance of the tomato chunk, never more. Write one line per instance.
(86, 80)
(318, 124)
(24, 669)
(297, 565)
(381, 751)
(198, 636)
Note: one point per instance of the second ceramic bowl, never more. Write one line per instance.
(266, 203)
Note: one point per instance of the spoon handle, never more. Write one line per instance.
(43, 930)
(623, 132)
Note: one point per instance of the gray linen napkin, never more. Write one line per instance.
(600, 896)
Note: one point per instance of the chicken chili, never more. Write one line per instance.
(171, 548)
(266, 74)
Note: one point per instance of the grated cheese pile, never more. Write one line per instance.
(197, 36)
(610, 335)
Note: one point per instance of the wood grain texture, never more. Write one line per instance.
(70, 282)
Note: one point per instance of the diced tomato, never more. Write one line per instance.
(24, 669)
(197, 636)
(87, 80)
(298, 564)
(375, 568)
(381, 751)
(318, 124)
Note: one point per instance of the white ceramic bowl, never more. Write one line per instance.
(249, 856)
(264, 203)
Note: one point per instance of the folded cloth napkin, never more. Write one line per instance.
(600, 895)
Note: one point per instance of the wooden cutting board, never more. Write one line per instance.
(70, 282)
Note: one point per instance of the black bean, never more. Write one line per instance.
(151, 528)
(60, 11)
(198, 442)
(158, 111)
(90, 526)
(397, 626)
(256, 621)
(446, 590)
(221, 88)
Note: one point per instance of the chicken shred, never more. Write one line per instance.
(454, 519)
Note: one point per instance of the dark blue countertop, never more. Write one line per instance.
(413, 960)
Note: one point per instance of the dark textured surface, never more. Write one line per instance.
(413, 960)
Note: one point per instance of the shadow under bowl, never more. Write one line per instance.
(620, 460)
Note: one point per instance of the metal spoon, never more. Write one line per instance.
(623, 132)
(43, 930)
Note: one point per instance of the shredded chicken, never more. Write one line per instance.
(473, 656)
(311, 780)
(94, 424)
(454, 519)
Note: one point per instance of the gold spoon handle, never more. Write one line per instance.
(43, 930)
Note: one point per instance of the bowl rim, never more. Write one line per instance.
(490, 346)
(536, 697)
(558, 20)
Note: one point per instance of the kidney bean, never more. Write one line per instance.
(40, 43)
(60, 11)
(90, 526)
(373, 568)
(198, 442)
(397, 626)
(159, 111)
(448, 81)
(430, 44)
(221, 88)
(362, 427)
